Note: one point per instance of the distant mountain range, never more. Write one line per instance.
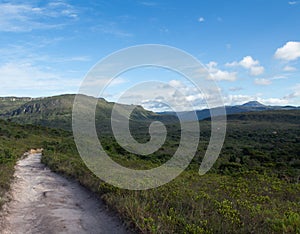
(56, 111)
(252, 106)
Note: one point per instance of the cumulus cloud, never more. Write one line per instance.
(220, 75)
(257, 70)
(174, 95)
(290, 51)
(249, 63)
(223, 75)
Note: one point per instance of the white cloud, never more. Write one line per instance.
(289, 68)
(19, 78)
(262, 81)
(279, 77)
(249, 63)
(269, 80)
(256, 71)
(103, 82)
(290, 51)
(161, 96)
(237, 99)
(219, 75)
(293, 2)
(235, 89)
(201, 19)
(223, 75)
(111, 28)
(295, 92)
(274, 101)
(165, 96)
(175, 83)
(241, 99)
(26, 17)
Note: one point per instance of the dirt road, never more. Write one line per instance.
(44, 202)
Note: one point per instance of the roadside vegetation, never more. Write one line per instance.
(15, 140)
(253, 187)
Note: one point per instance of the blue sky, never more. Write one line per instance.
(251, 48)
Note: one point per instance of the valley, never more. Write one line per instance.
(252, 188)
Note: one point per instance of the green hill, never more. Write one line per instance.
(11, 103)
(56, 112)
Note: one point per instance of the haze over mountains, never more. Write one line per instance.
(252, 106)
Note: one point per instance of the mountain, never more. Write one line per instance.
(252, 106)
(56, 112)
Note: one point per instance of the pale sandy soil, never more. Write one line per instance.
(44, 202)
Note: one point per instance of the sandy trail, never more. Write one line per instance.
(44, 202)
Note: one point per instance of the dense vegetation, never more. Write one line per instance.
(14, 141)
(253, 187)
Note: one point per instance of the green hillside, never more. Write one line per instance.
(56, 112)
(8, 104)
